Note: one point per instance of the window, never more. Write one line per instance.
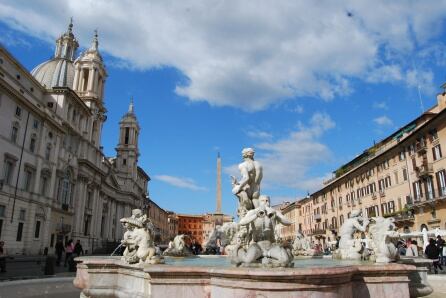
(14, 132)
(441, 182)
(66, 188)
(417, 190)
(37, 230)
(412, 149)
(124, 161)
(89, 200)
(1, 227)
(402, 155)
(2, 210)
(48, 151)
(436, 151)
(396, 177)
(19, 232)
(43, 185)
(18, 111)
(429, 188)
(9, 169)
(27, 179)
(87, 225)
(36, 124)
(405, 174)
(22, 214)
(126, 135)
(32, 143)
(433, 134)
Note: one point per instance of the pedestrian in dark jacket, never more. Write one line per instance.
(59, 251)
(432, 252)
(78, 250)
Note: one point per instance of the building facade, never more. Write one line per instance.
(55, 181)
(191, 225)
(403, 176)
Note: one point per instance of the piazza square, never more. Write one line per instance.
(222, 149)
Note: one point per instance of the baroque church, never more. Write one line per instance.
(55, 181)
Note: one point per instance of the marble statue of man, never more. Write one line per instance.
(349, 248)
(261, 223)
(247, 189)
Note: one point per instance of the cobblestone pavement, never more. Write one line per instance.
(27, 267)
(54, 287)
(438, 283)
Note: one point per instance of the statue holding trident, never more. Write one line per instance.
(247, 189)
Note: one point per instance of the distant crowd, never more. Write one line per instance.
(435, 251)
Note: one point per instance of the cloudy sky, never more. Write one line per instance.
(308, 84)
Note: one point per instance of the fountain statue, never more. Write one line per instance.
(382, 230)
(254, 241)
(251, 242)
(177, 248)
(350, 248)
(302, 246)
(378, 247)
(138, 239)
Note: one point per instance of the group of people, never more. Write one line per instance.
(71, 251)
(435, 251)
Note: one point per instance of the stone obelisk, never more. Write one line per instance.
(218, 196)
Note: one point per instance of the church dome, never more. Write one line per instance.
(57, 72)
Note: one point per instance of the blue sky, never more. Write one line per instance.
(309, 85)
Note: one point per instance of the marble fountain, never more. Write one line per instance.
(258, 263)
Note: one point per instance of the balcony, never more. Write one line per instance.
(424, 170)
(430, 198)
(317, 217)
(421, 147)
(315, 232)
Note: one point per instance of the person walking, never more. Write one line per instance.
(441, 245)
(2, 257)
(69, 248)
(432, 252)
(59, 251)
(78, 250)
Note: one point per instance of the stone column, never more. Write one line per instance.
(218, 210)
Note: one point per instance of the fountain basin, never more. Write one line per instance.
(111, 277)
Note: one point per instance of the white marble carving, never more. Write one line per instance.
(178, 248)
(381, 231)
(350, 248)
(302, 246)
(138, 239)
(247, 189)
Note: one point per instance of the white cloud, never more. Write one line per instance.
(180, 182)
(247, 54)
(258, 134)
(287, 161)
(383, 121)
(380, 105)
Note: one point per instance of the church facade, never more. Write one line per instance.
(55, 181)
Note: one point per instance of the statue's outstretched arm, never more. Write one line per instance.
(282, 219)
(361, 228)
(248, 218)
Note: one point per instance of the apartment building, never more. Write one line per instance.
(403, 176)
